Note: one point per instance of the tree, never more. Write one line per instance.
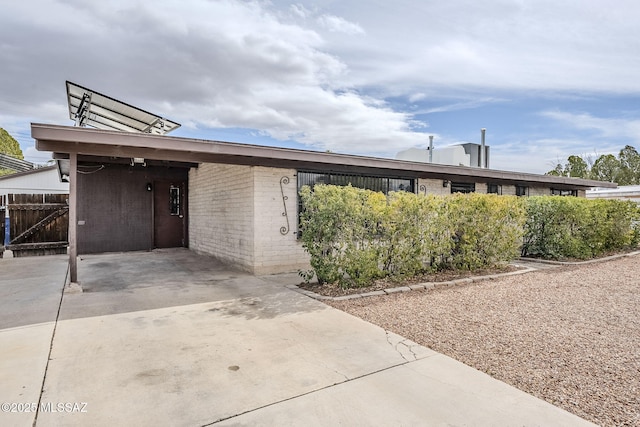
(9, 146)
(630, 166)
(576, 167)
(557, 171)
(606, 168)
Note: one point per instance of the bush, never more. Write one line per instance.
(488, 229)
(570, 227)
(416, 235)
(355, 236)
(339, 230)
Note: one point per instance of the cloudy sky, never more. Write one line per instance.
(547, 78)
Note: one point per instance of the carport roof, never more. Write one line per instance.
(92, 143)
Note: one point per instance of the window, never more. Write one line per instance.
(494, 189)
(174, 200)
(374, 183)
(522, 190)
(556, 192)
(463, 187)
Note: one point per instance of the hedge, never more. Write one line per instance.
(355, 236)
(571, 227)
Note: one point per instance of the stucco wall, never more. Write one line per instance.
(221, 212)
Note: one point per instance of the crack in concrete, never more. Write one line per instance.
(395, 346)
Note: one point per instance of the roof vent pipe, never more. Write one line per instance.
(430, 148)
(483, 154)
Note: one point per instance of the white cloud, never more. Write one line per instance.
(415, 97)
(310, 71)
(337, 24)
(500, 44)
(606, 127)
(299, 10)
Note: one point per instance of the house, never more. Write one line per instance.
(44, 180)
(624, 192)
(237, 202)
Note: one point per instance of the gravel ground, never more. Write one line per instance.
(568, 335)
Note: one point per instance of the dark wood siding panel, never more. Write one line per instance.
(116, 206)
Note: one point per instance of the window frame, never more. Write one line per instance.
(498, 188)
(393, 183)
(564, 193)
(462, 187)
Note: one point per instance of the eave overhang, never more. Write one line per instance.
(64, 140)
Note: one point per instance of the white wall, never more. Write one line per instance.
(236, 213)
(44, 180)
(221, 212)
(277, 251)
(451, 155)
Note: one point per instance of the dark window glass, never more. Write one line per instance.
(556, 192)
(174, 200)
(462, 187)
(374, 183)
(522, 190)
(494, 189)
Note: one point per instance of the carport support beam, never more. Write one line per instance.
(73, 221)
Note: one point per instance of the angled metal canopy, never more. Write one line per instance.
(90, 108)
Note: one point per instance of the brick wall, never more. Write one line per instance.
(236, 213)
(221, 213)
(432, 186)
(481, 187)
(276, 251)
(539, 191)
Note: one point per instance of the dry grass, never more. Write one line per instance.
(568, 335)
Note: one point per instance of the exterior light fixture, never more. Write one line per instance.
(445, 183)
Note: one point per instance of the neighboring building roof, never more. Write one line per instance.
(36, 181)
(28, 172)
(9, 162)
(89, 143)
(624, 191)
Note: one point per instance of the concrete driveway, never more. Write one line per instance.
(173, 338)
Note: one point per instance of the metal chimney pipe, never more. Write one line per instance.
(430, 148)
(483, 157)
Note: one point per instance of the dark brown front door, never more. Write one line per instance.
(169, 214)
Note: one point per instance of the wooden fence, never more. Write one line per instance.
(2, 222)
(38, 224)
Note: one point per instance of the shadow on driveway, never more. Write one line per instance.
(135, 281)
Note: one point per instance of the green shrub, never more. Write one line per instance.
(417, 234)
(488, 229)
(339, 230)
(569, 227)
(355, 236)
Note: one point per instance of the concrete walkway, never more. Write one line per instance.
(173, 338)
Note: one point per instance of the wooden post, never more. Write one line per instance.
(73, 217)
